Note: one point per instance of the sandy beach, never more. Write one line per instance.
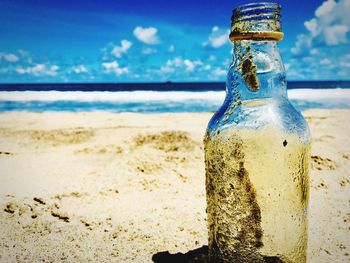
(104, 187)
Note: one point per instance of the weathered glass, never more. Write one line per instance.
(257, 151)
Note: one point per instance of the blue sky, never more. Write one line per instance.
(152, 41)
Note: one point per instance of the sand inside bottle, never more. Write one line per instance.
(257, 194)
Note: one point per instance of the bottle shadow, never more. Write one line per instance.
(198, 255)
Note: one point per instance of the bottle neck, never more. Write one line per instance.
(256, 71)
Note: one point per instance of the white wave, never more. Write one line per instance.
(123, 96)
(140, 96)
(319, 94)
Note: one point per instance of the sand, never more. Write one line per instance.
(103, 187)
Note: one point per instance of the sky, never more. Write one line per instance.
(52, 41)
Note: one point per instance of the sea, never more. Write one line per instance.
(156, 97)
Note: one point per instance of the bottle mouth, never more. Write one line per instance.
(256, 21)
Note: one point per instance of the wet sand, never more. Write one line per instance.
(103, 187)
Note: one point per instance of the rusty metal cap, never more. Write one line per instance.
(259, 21)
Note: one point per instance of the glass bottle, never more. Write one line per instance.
(257, 148)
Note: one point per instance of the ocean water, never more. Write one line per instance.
(155, 97)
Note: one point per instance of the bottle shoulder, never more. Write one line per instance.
(260, 114)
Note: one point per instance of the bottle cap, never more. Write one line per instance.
(259, 21)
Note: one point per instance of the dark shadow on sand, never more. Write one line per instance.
(199, 255)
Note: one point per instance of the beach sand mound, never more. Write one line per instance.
(168, 141)
(59, 137)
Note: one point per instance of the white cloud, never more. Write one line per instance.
(212, 58)
(166, 69)
(314, 51)
(54, 67)
(217, 37)
(181, 65)
(123, 48)
(335, 35)
(79, 69)
(113, 67)
(329, 26)
(326, 7)
(325, 61)
(39, 70)
(23, 52)
(148, 51)
(171, 48)
(312, 26)
(207, 67)
(218, 72)
(303, 43)
(9, 57)
(170, 65)
(147, 35)
(20, 55)
(190, 65)
(322, 48)
(321, 66)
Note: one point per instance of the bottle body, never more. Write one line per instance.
(257, 148)
(257, 192)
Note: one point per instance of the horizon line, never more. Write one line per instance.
(147, 83)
